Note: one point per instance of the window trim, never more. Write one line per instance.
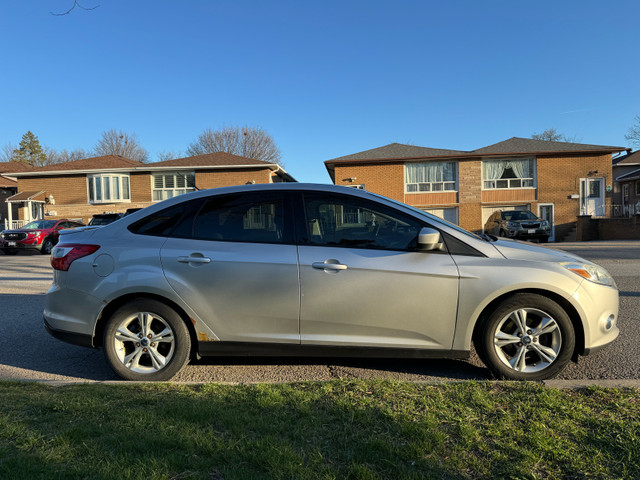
(175, 173)
(456, 165)
(534, 179)
(91, 188)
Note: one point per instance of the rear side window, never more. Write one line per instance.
(160, 223)
(256, 218)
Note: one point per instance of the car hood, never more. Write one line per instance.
(25, 230)
(515, 250)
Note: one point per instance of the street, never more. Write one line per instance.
(27, 352)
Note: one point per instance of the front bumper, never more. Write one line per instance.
(21, 244)
(600, 306)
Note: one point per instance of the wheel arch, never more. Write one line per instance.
(116, 303)
(573, 314)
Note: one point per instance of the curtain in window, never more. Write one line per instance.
(493, 169)
(522, 168)
(430, 172)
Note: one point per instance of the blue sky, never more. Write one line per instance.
(324, 78)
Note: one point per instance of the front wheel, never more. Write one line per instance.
(47, 246)
(146, 340)
(527, 337)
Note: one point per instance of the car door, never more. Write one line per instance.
(234, 262)
(363, 281)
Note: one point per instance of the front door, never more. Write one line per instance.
(592, 197)
(363, 283)
(546, 212)
(236, 266)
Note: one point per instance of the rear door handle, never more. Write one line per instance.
(331, 264)
(192, 259)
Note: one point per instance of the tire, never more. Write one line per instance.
(502, 234)
(512, 354)
(47, 246)
(134, 355)
(10, 252)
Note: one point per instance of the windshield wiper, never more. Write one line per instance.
(487, 237)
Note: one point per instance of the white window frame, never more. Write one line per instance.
(170, 192)
(433, 187)
(511, 183)
(112, 188)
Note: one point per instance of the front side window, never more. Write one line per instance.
(514, 173)
(430, 177)
(108, 188)
(337, 221)
(172, 184)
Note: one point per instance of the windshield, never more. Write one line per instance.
(39, 224)
(518, 215)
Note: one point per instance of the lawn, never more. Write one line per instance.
(334, 430)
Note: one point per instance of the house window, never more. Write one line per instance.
(638, 189)
(357, 187)
(430, 177)
(168, 185)
(514, 173)
(108, 188)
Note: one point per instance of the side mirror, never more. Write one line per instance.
(429, 239)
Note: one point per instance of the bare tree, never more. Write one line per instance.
(168, 155)
(552, 135)
(75, 4)
(117, 142)
(63, 156)
(633, 135)
(6, 152)
(249, 142)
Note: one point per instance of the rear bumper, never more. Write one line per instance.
(69, 337)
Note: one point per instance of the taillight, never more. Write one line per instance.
(65, 254)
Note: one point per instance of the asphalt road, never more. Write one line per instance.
(27, 352)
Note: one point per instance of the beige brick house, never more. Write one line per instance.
(555, 180)
(82, 188)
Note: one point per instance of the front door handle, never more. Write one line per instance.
(194, 259)
(330, 265)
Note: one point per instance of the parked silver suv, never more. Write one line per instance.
(293, 269)
(518, 224)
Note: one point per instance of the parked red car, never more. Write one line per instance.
(41, 235)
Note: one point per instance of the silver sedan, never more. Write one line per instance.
(319, 270)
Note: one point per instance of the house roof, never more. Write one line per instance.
(118, 163)
(6, 182)
(518, 145)
(218, 159)
(632, 175)
(397, 151)
(24, 196)
(512, 146)
(14, 167)
(628, 159)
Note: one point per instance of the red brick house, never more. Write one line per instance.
(8, 188)
(555, 180)
(82, 188)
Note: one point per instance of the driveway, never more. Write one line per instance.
(28, 352)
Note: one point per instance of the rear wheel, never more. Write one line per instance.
(527, 337)
(146, 340)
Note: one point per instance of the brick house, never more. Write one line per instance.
(626, 175)
(9, 187)
(82, 188)
(555, 180)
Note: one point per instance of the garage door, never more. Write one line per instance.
(487, 211)
(449, 214)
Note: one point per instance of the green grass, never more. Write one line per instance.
(336, 430)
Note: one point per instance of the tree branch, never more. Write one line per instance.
(75, 4)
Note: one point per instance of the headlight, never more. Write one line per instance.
(35, 233)
(514, 225)
(592, 272)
